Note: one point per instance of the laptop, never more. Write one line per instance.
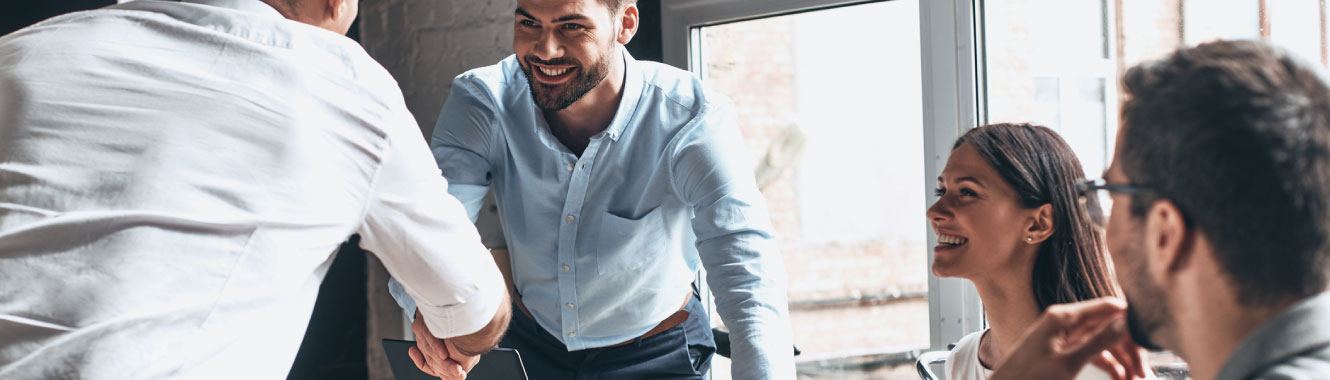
(498, 364)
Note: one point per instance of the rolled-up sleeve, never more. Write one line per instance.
(712, 172)
(459, 144)
(426, 241)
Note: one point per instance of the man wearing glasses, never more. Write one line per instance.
(1220, 224)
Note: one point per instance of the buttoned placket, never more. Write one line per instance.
(576, 173)
(579, 172)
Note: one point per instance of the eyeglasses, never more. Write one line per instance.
(1091, 189)
(1094, 185)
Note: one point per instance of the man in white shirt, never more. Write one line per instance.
(174, 177)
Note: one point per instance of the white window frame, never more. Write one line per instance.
(1104, 68)
(951, 102)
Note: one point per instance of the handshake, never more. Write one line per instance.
(452, 358)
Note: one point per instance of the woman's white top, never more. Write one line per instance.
(963, 362)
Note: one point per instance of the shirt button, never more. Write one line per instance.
(570, 305)
(570, 166)
(584, 166)
(570, 335)
(566, 268)
(570, 218)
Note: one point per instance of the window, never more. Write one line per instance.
(898, 62)
(1056, 62)
(806, 96)
(834, 125)
(1054, 71)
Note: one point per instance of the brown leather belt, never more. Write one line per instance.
(669, 322)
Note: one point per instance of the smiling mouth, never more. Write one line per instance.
(548, 74)
(554, 72)
(951, 240)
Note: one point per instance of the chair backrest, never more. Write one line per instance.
(926, 360)
(722, 339)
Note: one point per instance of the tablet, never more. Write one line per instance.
(498, 364)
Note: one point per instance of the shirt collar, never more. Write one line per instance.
(1303, 326)
(632, 92)
(254, 6)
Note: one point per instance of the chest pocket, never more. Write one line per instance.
(626, 244)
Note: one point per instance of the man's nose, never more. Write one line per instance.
(547, 46)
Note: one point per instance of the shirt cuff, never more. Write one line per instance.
(466, 317)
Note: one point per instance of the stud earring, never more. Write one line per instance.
(1029, 239)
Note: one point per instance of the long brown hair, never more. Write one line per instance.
(1070, 266)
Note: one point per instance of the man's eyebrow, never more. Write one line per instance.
(571, 17)
(564, 18)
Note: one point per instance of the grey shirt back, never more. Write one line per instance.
(1294, 345)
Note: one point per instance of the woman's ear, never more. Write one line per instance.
(1041, 225)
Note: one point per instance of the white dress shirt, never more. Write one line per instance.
(174, 178)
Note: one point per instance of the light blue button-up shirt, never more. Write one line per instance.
(605, 245)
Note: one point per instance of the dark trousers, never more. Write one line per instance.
(681, 352)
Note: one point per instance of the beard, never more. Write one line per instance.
(1147, 310)
(552, 98)
(1140, 329)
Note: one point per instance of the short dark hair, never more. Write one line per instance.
(1237, 135)
(1070, 266)
(615, 5)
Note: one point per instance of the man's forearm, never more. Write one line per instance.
(762, 348)
(488, 337)
(751, 300)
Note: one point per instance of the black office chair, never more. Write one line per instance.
(723, 343)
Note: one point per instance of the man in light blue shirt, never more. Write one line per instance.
(616, 180)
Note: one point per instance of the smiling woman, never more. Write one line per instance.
(1031, 169)
(1009, 219)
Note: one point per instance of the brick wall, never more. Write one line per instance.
(425, 43)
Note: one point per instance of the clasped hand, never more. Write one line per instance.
(438, 357)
